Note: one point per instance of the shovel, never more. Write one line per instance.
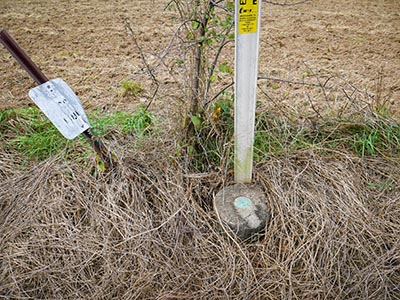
(58, 102)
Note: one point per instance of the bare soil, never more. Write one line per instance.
(354, 45)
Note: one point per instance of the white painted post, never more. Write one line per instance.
(247, 37)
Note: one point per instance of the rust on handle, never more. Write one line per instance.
(103, 153)
(22, 57)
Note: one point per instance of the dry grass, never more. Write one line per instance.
(143, 232)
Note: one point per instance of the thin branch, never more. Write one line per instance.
(214, 63)
(149, 69)
(319, 81)
(218, 94)
(261, 77)
(286, 3)
(276, 104)
(313, 107)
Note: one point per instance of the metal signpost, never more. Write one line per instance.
(243, 206)
(58, 102)
(247, 37)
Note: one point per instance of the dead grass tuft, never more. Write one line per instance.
(143, 233)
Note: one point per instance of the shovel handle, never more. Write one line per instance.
(103, 153)
(20, 55)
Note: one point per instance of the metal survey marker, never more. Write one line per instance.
(62, 106)
(247, 33)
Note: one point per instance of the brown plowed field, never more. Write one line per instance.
(354, 44)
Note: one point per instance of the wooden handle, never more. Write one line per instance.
(24, 60)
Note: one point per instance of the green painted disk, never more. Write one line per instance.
(242, 202)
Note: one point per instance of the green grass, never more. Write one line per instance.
(28, 132)
(378, 139)
(274, 136)
(130, 87)
(368, 137)
(140, 123)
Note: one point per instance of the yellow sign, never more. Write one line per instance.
(248, 16)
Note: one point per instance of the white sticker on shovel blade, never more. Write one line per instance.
(62, 106)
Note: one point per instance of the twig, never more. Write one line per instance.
(214, 63)
(261, 77)
(287, 4)
(219, 93)
(149, 70)
(313, 107)
(271, 99)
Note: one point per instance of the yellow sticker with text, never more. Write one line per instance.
(248, 16)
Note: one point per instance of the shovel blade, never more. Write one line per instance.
(62, 106)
